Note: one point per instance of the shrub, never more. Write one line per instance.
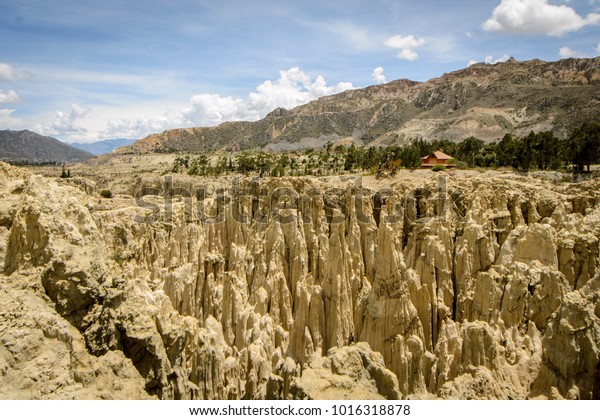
(106, 194)
(65, 173)
(438, 168)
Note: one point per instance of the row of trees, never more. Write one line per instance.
(264, 164)
(541, 151)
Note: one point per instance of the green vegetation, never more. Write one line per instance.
(583, 147)
(65, 173)
(438, 168)
(535, 151)
(106, 194)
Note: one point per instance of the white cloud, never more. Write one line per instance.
(8, 97)
(377, 75)
(598, 48)
(566, 52)
(6, 119)
(9, 74)
(136, 128)
(489, 59)
(537, 17)
(408, 54)
(212, 109)
(401, 42)
(65, 123)
(293, 88)
(406, 45)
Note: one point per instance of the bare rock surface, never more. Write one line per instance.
(349, 372)
(432, 287)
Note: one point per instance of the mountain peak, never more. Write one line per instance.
(278, 112)
(25, 146)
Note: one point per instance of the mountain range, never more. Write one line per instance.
(482, 100)
(28, 147)
(104, 146)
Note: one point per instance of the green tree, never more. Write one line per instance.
(198, 165)
(352, 158)
(339, 149)
(584, 146)
(449, 147)
(246, 163)
(547, 151)
(277, 171)
(411, 156)
(66, 173)
(264, 163)
(222, 165)
(525, 152)
(284, 161)
(468, 149)
(369, 158)
(423, 147)
(180, 163)
(506, 151)
(293, 165)
(487, 156)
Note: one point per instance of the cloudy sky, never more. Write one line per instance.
(83, 70)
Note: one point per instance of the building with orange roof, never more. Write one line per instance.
(436, 158)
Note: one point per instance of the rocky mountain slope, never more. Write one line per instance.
(434, 286)
(28, 147)
(483, 100)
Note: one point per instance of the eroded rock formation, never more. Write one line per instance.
(441, 287)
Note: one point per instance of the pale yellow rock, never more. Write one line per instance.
(457, 286)
(346, 373)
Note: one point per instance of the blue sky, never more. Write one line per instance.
(83, 70)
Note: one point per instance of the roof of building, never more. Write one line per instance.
(438, 154)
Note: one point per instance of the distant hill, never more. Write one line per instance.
(483, 100)
(28, 147)
(102, 147)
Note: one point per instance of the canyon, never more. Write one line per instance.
(459, 285)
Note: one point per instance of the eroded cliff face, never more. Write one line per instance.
(442, 287)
